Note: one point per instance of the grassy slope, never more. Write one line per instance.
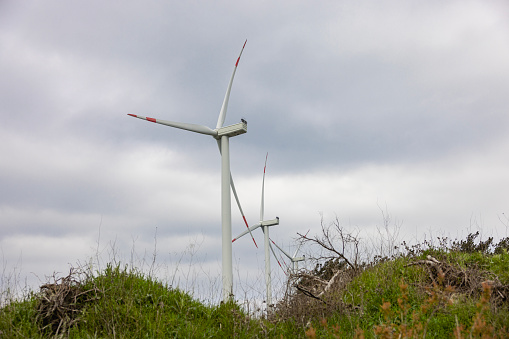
(389, 296)
(122, 303)
(396, 296)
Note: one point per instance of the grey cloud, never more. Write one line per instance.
(355, 103)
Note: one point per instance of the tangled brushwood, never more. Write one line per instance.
(60, 303)
(344, 285)
(314, 295)
(317, 293)
(469, 280)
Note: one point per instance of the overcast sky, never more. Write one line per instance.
(400, 106)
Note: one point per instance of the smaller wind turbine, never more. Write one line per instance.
(264, 224)
(294, 259)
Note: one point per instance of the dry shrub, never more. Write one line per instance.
(310, 296)
(317, 293)
(60, 303)
(467, 281)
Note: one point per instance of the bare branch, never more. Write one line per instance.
(309, 293)
(336, 240)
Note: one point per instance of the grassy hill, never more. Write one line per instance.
(460, 290)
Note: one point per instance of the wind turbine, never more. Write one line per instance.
(222, 135)
(294, 259)
(264, 224)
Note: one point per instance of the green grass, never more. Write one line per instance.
(413, 301)
(392, 297)
(124, 303)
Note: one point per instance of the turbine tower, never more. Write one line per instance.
(222, 135)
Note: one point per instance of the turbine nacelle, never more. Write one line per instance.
(272, 222)
(232, 130)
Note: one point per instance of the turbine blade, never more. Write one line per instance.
(224, 107)
(263, 189)
(282, 250)
(297, 250)
(249, 230)
(300, 245)
(232, 184)
(182, 125)
(275, 256)
(240, 208)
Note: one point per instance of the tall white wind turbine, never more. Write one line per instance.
(222, 135)
(264, 224)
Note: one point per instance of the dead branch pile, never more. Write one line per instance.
(317, 286)
(60, 303)
(313, 295)
(468, 281)
(317, 293)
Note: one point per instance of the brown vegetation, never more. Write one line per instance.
(59, 303)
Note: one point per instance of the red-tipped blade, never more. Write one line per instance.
(224, 107)
(238, 59)
(275, 256)
(247, 225)
(232, 184)
(182, 125)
